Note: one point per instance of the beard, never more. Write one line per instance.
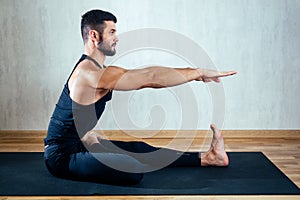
(106, 49)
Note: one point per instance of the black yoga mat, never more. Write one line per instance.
(248, 173)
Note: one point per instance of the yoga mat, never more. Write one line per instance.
(248, 173)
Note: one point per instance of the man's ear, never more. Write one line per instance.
(95, 36)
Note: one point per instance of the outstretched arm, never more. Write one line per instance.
(116, 78)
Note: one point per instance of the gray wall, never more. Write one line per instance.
(40, 43)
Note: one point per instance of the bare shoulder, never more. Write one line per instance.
(115, 69)
(87, 68)
(109, 76)
(85, 74)
(99, 78)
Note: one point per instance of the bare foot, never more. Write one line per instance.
(216, 155)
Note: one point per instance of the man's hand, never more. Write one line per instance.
(207, 75)
(92, 137)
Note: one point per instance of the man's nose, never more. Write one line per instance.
(116, 39)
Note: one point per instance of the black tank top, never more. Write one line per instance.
(70, 120)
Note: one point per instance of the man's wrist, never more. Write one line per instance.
(197, 74)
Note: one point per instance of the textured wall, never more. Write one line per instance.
(40, 43)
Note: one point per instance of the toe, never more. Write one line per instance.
(213, 127)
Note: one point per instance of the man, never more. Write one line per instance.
(72, 152)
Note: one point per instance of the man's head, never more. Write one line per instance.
(100, 26)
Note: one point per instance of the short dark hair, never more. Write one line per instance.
(94, 20)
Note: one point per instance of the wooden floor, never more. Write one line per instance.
(281, 147)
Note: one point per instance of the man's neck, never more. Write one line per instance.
(95, 54)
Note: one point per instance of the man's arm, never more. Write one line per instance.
(116, 78)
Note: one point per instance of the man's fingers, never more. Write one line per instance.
(230, 73)
(217, 80)
(215, 75)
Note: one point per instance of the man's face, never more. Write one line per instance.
(109, 40)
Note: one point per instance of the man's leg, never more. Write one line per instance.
(141, 150)
(215, 156)
(86, 166)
